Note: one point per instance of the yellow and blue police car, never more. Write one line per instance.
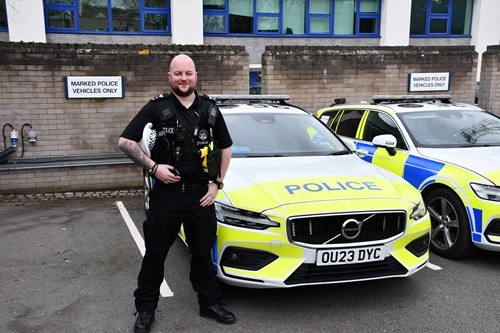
(298, 207)
(449, 151)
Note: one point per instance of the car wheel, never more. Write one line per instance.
(450, 235)
(147, 189)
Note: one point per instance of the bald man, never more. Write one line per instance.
(183, 191)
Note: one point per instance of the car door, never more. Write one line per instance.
(361, 126)
(376, 123)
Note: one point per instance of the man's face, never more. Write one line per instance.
(182, 76)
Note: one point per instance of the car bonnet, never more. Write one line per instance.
(484, 161)
(262, 183)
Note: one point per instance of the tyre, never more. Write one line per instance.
(451, 234)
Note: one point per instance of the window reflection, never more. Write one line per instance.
(292, 17)
(155, 22)
(61, 19)
(444, 17)
(94, 15)
(108, 15)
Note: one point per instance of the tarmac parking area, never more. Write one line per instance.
(71, 265)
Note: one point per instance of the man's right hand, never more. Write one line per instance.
(167, 174)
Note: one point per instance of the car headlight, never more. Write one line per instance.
(243, 218)
(418, 211)
(486, 192)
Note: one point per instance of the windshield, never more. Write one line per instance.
(280, 134)
(452, 128)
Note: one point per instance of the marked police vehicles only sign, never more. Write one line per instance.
(429, 82)
(94, 86)
(350, 256)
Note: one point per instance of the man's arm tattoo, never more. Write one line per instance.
(134, 152)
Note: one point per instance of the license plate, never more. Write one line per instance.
(350, 256)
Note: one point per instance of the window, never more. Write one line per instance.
(378, 123)
(255, 83)
(347, 122)
(441, 17)
(3, 16)
(292, 17)
(108, 16)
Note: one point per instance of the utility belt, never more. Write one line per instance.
(189, 186)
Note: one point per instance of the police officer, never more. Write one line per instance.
(186, 124)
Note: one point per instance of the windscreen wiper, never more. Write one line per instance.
(340, 152)
(270, 155)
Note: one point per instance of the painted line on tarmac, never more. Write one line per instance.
(434, 267)
(164, 288)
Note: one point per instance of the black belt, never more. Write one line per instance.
(188, 187)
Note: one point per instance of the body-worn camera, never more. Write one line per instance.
(180, 134)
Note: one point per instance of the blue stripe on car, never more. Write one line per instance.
(418, 169)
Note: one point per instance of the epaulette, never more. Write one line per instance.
(207, 97)
(161, 96)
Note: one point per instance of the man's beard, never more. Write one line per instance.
(180, 93)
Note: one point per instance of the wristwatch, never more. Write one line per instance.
(219, 184)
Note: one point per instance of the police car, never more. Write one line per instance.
(449, 151)
(300, 208)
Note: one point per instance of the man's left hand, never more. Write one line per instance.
(209, 198)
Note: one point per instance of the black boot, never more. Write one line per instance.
(143, 322)
(218, 313)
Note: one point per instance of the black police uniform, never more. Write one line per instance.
(171, 205)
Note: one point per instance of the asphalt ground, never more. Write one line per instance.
(69, 263)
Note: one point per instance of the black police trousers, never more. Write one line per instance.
(169, 207)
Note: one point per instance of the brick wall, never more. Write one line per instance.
(32, 91)
(314, 76)
(489, 90)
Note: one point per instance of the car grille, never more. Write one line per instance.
(310, 273)
(316, 230)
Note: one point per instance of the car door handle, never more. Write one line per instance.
(361, 152)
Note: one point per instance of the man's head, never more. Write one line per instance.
(182, 75)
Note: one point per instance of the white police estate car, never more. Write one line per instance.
(299, 208)
(449, 151)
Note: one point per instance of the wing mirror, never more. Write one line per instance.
(387, 141)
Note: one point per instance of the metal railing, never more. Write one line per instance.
(64, 161)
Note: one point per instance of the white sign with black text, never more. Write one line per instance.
(94, 86)
(429, 82)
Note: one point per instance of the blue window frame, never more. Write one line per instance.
(108, 16)
(320, 18)
(441, 18)
(3, 16)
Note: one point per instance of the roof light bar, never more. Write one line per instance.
(256, 98)
(411, 98)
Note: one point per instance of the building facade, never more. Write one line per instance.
(312, 50)
(255, 24)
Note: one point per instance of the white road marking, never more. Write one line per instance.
(434, 267)
(164, 288)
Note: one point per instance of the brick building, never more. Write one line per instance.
(303, 48)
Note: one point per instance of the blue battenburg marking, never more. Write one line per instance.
(476, 237)
(418, 169)
(214, 256)
(478, 220)
(370, 148)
